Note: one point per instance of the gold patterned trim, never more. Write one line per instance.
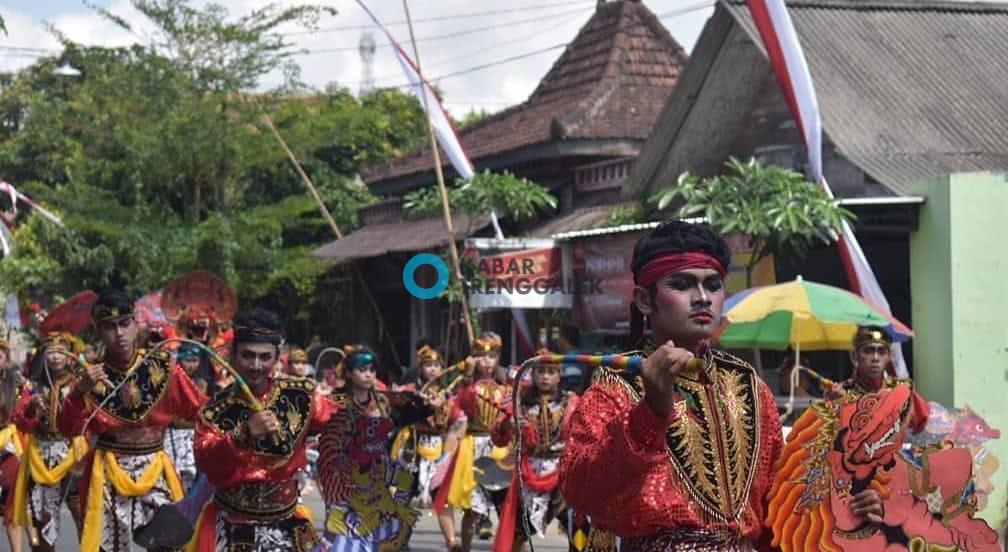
(714, 453)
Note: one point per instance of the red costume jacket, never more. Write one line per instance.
(42, 422)
(707, 466)
(153, 394)
(226, 452)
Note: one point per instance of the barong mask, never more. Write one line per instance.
(837, 449)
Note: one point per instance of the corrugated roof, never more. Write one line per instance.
(580, 219)
(373, 240)
(907, 89)
(610, 82)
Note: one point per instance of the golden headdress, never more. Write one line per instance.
(298, 355)
(426, 353)
(487, 343)
(66, 339)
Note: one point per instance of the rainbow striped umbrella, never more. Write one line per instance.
(801, 314)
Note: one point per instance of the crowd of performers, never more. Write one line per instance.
(142, 442)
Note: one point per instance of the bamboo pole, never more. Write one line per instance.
(445, 209)
(383, 329)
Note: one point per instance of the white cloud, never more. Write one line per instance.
(536, 26)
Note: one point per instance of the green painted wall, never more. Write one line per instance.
(959, 268)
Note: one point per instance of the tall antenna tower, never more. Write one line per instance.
(366, 47)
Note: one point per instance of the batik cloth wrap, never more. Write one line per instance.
(292, 533)
(45, 471)
(178, 444)
(543, 423)
(132, 488)
(128, 475)
(423, 455)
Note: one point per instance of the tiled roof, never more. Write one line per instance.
(610, 82)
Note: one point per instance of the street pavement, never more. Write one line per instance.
(426, 535)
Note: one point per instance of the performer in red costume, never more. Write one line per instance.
(366, 492)
(482, 398)
(871, 355)
(126, 400)
(545, 411)
(251, 457)
(681, 456)
(46, 479)
(10, 440)
(426, 447)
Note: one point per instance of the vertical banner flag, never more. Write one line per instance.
(15, 196)
(449, 141)
(789, 66)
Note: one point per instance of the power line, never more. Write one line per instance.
(439, 18)
(454, 34)
(672, 13)
(46, 51)
(477, 53)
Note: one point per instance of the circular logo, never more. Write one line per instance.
(411, 285)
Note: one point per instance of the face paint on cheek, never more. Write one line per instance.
(671, 304)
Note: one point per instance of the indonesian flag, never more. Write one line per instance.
(449, 141)
(6, 231)
(443, 128)
(15, 196)
(788, 62)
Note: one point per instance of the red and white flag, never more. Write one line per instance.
(444, 130)
(15, 196)
(788, 62)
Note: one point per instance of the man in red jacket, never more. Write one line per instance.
(251, 456)
(681, 456)
(126, 400)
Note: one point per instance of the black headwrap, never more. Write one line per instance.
(112, 304)
(674, 236)
(258, 325)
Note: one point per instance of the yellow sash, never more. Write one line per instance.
(463, 479)
(399, 443)
(8, 434)
(106, 465)
(430, 453)
(33, 466)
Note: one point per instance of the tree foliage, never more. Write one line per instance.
(472, 117)
(506, 194)
(780, 211)
(159, 162)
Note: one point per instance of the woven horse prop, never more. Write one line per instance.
(837, 449)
